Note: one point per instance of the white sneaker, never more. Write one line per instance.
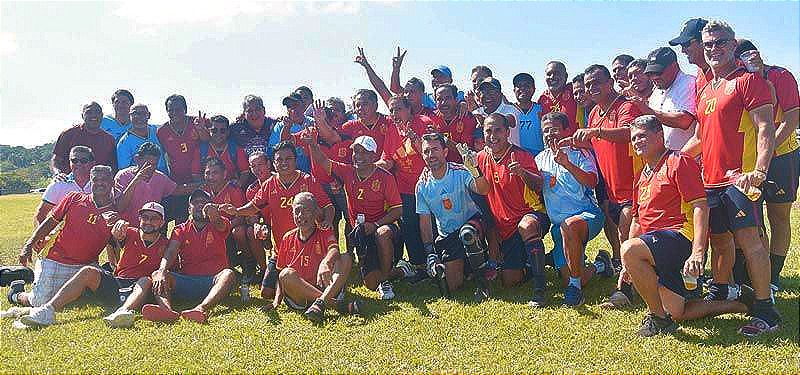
(385, 290)
(14, 312)
(120, 319)
(39, 316)
(734, 290)
(408, 269)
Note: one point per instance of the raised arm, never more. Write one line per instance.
(376, 81)
(397, 63)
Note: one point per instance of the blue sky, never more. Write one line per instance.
(56, 56)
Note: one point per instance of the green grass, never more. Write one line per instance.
(418, 332)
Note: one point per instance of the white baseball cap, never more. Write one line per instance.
(153, 206)
(367, 142)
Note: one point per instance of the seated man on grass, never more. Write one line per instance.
(311, 265)
(141, 250)
(194, 266)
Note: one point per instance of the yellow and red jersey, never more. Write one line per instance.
(788, 99)
(461, 129)
(183, 153)
(355, 128)
(564, 103)
(663, 200)
(408, 163)
(509, 197)
(137, 259)
(727, 134)
(202, 252)
(84, 233)
(305, 256)
(617, 161)
(232, 170)
(372, 196)
(275, 201)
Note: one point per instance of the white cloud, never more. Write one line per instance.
(151, 14)
(8, 43)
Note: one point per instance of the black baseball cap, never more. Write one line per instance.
(522, 77)
(490, 81)
(691, 30)
(660, 59)
(744, 45)
(199, 193)
(292, 98)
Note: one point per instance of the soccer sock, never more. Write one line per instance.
(776, 265)
(740, 275)
(535, 250)
(575, 281)
(764, 309)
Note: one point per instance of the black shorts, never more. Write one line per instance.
(366, 248)
(113, 291)
(731, 210)
(483, 206)
(450, 247)
(670, 249)
(782, 178)
(515, 257)
(600, 189)
(615, 210)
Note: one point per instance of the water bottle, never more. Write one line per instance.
(244, 292)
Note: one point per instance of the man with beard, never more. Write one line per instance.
(639, 85)
(558, 96)
(252, 129)
(87, 134)
(138, 133)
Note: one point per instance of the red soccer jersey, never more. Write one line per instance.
(788, 99)
(229, 194)
(565, 103)
(663, 200)
(275, 201)
(617, 161)
(727, 134)
(355, 128)
(84, 233)
(372, 196)
(702, 80)
(461, 129)
(231, 171)
(305, 256)
(408, 163)
(182, 151)
(102, 144)
(136, 259)
(201, 252)
(509, 197)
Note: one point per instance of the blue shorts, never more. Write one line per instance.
(731, 210)
(191, 288)
(670, 249)
(595, 222)
(782, 178)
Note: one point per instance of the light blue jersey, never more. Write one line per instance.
(129, 144)
(564, 196)
(448, 199)
(303, 162)
(530, 129)
(113, 127)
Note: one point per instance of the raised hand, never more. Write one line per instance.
(361, 59)
(320, 115)
(397, 60)
(119, 229)
(469, 157)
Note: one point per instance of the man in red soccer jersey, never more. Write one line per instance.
(311, 273)
(619, 71)
(87, 134)
(558, 96)
(221, 146)
(609, 136)
(194, 265)
(669, 233)
(273, 201)
(448, 121)
(736, 137)
(785, 164)
(374, 206)
(180, 138)
(140, 250)
(691, 45)
(258, 226)
(369, 121)
(516, 206)
(83, 235)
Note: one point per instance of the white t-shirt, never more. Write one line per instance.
(505, 109)
(679, 97)
(57, 190)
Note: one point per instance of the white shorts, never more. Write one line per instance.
(48, 277)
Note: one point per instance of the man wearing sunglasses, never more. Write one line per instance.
(138, 133)
(87, 134)
(673, 97)
(736, 137)
(252, 129)
(81, 161)
(691, 45)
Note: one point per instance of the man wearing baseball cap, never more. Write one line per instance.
(440, 75)
(490, 95)
(673, 97)
(692, 46)
(529, 112)
(139, 254)
(297, 121)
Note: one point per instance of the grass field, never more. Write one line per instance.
(417, 332)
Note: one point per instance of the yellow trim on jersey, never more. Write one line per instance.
(749, 150)
(790, 144)
(532, 199)
(688, 226)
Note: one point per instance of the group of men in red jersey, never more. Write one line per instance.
(465, 183)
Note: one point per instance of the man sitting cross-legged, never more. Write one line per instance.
(309, 262)
(140, 253)
(194, 266)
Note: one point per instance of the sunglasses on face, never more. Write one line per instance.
(217, 130)
(80, 160)
(719, 43)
